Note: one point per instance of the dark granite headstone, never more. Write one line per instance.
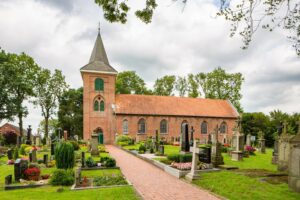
(185, 146)
(17, 170)
(52, 149)
(192, 136)
(8, 180)
(82, 159)
(45, 159)
(10, 154)
(205, 154)
(156, 140)
(28, 139)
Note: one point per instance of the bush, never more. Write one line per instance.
(90, 162)
(142, 148)
(16, 153)
(64, 155)
(62, 177)
(101, 148)
(124, 140)
(180, 158)
(23, 147)
(75, 145)
(103, 159)
(110, 162)
(10, 138)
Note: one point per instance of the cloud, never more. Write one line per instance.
(61, 34)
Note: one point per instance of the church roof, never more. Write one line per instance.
(98, 60)
(174, 106)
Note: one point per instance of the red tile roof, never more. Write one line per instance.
(173, 106)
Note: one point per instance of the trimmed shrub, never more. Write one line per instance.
(103, 159)
(23, 147)
(75, 145)
(110, 162)
(62, 177)
(64, 155)
(142, 148)
(10, 138)
(124, 140)
(180, 158)
(90, 162)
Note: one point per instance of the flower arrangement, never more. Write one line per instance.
(32, 173)
(226, 145)
(182, 166)
(250, 150)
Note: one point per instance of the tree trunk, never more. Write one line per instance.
(46, 126)
(19, 140)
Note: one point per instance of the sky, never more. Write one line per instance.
(61, 34)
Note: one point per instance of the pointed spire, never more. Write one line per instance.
(98, 61)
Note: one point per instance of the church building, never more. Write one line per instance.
(109, 114)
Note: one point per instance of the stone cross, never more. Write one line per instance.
(192, 136)
(193, 175)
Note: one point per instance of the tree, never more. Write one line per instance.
(48, 89)
(70, 112)
(246, 17)
(193, 86)
(181, 86)
(7, 98)
(221, 85)
(164, 86)
(52, 126)
(128, 82)
(22, 72)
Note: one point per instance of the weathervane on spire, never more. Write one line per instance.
(99, 28)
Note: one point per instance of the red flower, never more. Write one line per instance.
(34, 148)
(34, 171)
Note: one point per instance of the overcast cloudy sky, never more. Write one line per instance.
(61, 34)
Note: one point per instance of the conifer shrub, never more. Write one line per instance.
(62, 177)
(64, 155)
(16, 153)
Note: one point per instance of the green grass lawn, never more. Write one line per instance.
(104, 172)
(170, 149)
(258, 161)
(235, 187)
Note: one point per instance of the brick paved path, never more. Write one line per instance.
(153, 183)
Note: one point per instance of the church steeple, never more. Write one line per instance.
(98, 60)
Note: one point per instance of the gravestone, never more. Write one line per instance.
(185, 146)
(156, 141)
(294, 162)
(52, 151)
(248, 140)
(261, 142)
(192, 136)
(161, 149)
(284, 149)
(30, 156)
(65, 135)
(8, 180)
(82, 159)
(216, 154)
(38, 140)
(275, 151)
(45, 159)
(205, 154)
(19, 167)
(78, 176)
(238, 143)
(10, 154)
(193, 175)
(34, 157)
(94, 145)
(28, 139)
(77, 138)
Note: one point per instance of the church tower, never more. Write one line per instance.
(99, 95)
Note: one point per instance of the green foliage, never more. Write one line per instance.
(64, 155)
(52, 126)
(109, 180)
(75, 145)
(110, 162)
(23, 147)
(221, 85)
(10, 138)
(181, 86)
(142, 148)
(104, 159)
(16, 153)
(90, 162)
(49, 89)
(128, 82)
(62, 177)
(180, 158)
(193, 86)
(70, 111)
(164, 86)
(124, 140)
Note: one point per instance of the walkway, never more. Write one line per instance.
(153, 183)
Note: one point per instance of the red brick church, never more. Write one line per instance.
(139, 116)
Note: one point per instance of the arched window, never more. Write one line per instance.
(223, 128)
(125, 126)
(163, 126)
(96, 105)
(99, 84)
(141, 126)
(204, 127)
(102, 105)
